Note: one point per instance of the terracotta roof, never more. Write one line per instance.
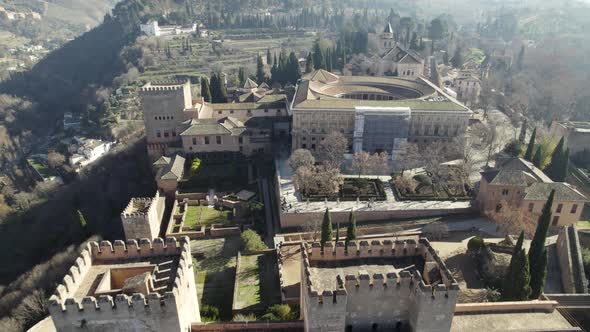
(539, 191)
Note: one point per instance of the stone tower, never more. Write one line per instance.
(386, 41)
(143, 216)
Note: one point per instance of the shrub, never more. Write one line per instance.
(423, 179)
(209, 313)
(195, 165)
(475, 244)
(244, 318)
(251, 241)
(279, 312)
(586, 260)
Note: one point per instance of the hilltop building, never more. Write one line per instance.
(169, 170)
(177, 123)
(386, 40)
(381, 286)
(152, 28)
(126, 286)
(576, 133)
(518, 184)
(374, 113)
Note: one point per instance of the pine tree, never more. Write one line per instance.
(538, 251)
(326, 229)
(537, 158)
(309, 63)
(531, 147)
(205, 89)
(351, 229)
(557, 160)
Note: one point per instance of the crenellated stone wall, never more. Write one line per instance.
(139, 225)
(378, 300)
(174, 310)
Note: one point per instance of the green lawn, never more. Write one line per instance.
(41, 168)
(583, 224)
(204, 215)
(248, 283)
(215, 262)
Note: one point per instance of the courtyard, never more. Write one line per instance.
(205, 216)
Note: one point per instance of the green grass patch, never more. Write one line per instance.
(248, 283)
(205, 216)
(41, 168)
(215, 262)
(583, 224)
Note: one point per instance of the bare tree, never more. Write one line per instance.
(512, 219)
(55, 159)
(410, 158)
(304, 179)
(328, 179)
(436, 230)
(361, 163)
(333, 148)
(301, 157)
(312, 226)
(379, 163)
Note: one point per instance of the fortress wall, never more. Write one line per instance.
(364, 249)
(138, 225)
(173, 311)
(324, 311)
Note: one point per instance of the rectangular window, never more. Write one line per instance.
(559, 207)
(194, 141)
(574, 208)
(240, 140)
(166, 134)
(313, 146)
(304, 146)
(173, 134)
(555, 221)
(158, 134)
(206, 139)
(218, 139)
(531, 207)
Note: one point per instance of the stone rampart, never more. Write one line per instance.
(388, 300)
(220, 230)
(569, 255)
(172, 311)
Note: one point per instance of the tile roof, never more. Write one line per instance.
(174, 170)
(402, 55)
(249, 84)
(162, 161)
(540, 191)
(223, 126)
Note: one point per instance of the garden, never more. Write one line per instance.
(352, 189)
(205, 216)
(422, 187)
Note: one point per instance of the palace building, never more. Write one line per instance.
(374, 113)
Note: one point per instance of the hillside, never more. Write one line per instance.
(86, 12)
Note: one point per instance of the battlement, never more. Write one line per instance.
(140, 207)
(155, 87)
(104, 256)
(363, 249)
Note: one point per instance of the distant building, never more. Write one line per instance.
(151, 28)
(168, 172)
(518, 184)
(468, 86)
(89, 150)
(401, 62)
(72, 121)
(576, 134)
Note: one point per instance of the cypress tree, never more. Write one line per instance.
(537, 158)
(554, 168)
(565, 160)
(326, 229)
(205, 89)
(457, 59)
(519, 243)
(337, 232)
(522, 135)
(538, 251)
(309, 63)
(268, 57)
(214, 88)
(222, 89)
(351, 229)
(531, 147)
(516, 284)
